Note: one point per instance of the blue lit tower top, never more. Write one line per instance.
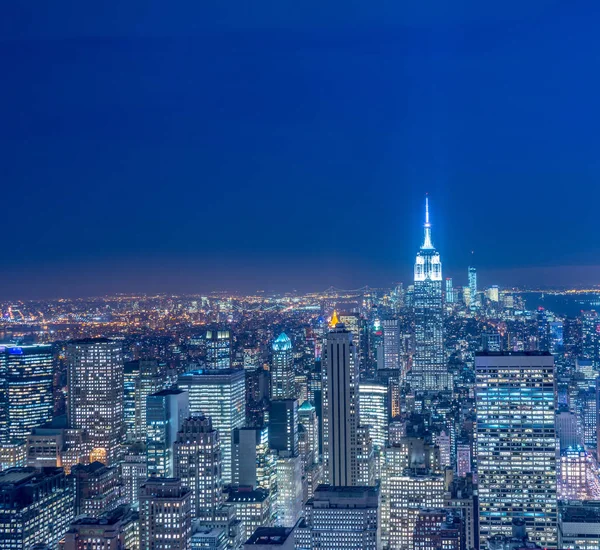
(282, 343)
(428, 265)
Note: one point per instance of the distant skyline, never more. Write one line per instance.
(281, 147)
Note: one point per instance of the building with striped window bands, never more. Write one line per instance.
(516, 444)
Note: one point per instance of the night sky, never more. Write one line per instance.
(284, 145)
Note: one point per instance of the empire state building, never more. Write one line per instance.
(429, 371)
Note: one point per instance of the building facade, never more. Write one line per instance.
(219, 394)
(340, 408)
(429, 370)
(95, 401)
(516, 444)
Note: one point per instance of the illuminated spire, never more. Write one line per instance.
(334, 320)
(427, 241)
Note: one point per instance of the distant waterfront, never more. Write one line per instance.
(561, 304)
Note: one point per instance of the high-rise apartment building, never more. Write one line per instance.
(26, 399)
(219, 394)
(429, 370)
(165, 515)
(282, 374)
(198, 464)
(340, 408)
(516, 444)
(95, 402)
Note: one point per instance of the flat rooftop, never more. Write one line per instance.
(275, 536)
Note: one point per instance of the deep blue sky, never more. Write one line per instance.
(284, 144)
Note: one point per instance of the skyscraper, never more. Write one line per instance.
(391, 344)
(288, 504)
(429, 371)
(473, 287)
(95, 403)
(253, 462)
(166, 412)
(307, 417)
(282, 373)
(198, 463)
(219, 394)
(151, 379)
(516, 444)
(449, 291)
(218, 349)
(340, 408)
(26, 400)
(283, 426)
(374, 407)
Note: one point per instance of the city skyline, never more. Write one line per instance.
(461, 278)
(300, 276)
(140, 177)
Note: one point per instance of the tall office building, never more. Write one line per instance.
(282, 374)
(429, 371)
(288, 504)
(365, 457)
(218, 349)
(165, 515)
(449, 291)
(36, 507)
(26, 399)
(373, 399)
(473, 287)
(254, 465)
(152, 378)
(95, 402)
(134, 473)
(283, 426)
(353, 322)
(131, 373)
(340, 408)
(307, 418)
(516, 472)
(340, 518)
(166, 413)
(198, 464)
(391, 344)
(219, 394)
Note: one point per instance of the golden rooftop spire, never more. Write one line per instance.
(334, 320)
